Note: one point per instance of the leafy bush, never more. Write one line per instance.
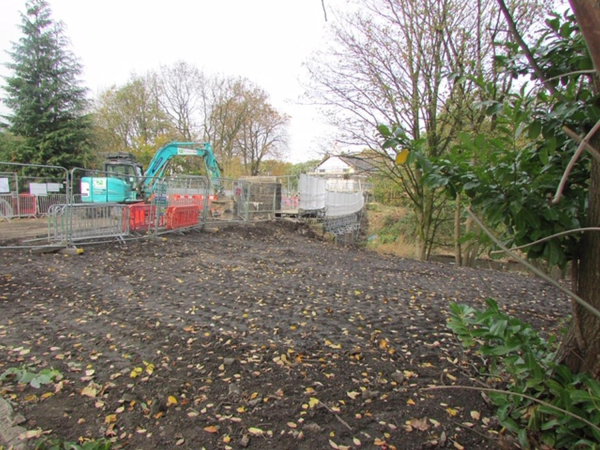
(26, 375)
(544, 404)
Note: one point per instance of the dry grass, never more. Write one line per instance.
(398, 248)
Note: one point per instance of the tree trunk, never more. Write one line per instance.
(581, 350)
(582, 346)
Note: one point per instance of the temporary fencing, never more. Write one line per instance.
(182, 216)
(95, 206)
(26, 195)
(78, 222)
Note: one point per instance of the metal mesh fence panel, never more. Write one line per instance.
(78, 222)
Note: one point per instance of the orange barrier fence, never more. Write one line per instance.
(195, 199)
(142, 217)
(182, 216)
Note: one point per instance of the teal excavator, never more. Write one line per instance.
(124, 180)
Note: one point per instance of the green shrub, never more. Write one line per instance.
(544, 403)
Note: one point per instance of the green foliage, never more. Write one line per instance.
(547, 395)
(9, 144)
(511, 173)
(26, 375)
(48, 105)
(58, 444)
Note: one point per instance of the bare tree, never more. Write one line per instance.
(242, 125)
(179, 93)
(263, 134)
(405, 63)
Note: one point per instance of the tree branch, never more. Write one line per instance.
(535, 270)
(576, 155)
(591, 150)
(515, 33)
(547, 238)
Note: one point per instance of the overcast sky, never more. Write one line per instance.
(265, 41)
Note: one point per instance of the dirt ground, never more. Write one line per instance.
(250, 337)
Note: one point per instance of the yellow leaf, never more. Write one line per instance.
(410, 401)
(313, 402)
(333, 444)
(150, 369)
(211, 429)
(226, 439)
(111, 418)
(171, 400)
(401, 157)
(135, 372)
(292, 425)
(379, 442)
(47, 395)
(241, 409)
(458, 446)
(254, 395)
(451, 411)
(356, 441)
(475, 415)
(89, 391)
(353, 394)
(255, 431)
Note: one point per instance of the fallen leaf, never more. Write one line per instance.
(31, 434)
(475, 415)
(420, 424)
(353, 394)
(211, 429)
(255, 431)
(410, 401)
(171, 400)
(451, 411)
(89, 391)
(313, 402)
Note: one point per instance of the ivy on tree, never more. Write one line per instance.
(47, 101)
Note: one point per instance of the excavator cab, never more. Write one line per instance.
(124, 166)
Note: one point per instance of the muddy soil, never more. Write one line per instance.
(250, 337)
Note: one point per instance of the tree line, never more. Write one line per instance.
(52, 121)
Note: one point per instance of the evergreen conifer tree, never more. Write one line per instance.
(47, 101)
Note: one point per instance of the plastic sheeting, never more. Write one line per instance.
(315, 196)
(312, 193)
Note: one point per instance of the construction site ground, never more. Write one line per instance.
(250, 336)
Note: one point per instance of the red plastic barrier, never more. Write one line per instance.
(182, 216)
(25, 205)
(142, 216)
(185, 200)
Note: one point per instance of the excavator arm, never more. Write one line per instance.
(161, 159)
